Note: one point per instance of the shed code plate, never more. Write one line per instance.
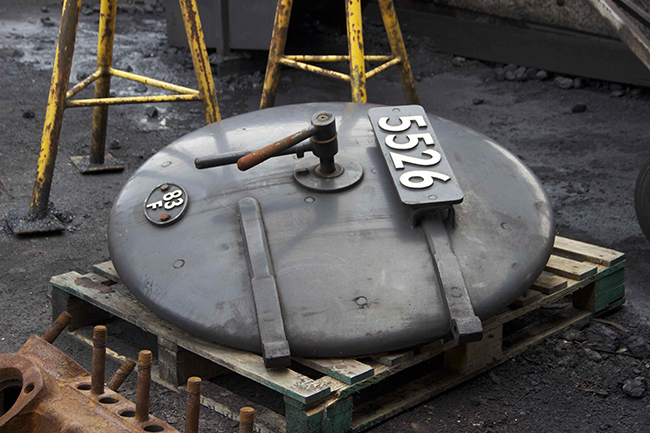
(166, 204)
(417, 164)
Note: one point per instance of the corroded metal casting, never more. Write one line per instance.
(44, 390)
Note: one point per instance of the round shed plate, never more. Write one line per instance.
(353, 276)
(166, 204)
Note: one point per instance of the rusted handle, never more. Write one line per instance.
(274, 149)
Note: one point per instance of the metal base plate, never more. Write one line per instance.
(20, 222)
(305, 175)
(84, 165)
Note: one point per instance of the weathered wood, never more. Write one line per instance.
(394, 359)
(469, 357)
(549, 284)
(176, 365)
(83, 313)
(285, 381)
(590, 299)
(550, 329)
(332, 416)
(570, 268)
(610, 281)
(100, 279)
(107, 270)
(588, 252)
(228, 403)
(507, 316)
(527, 298)
(346, 370)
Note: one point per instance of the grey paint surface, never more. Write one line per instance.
(328, 250)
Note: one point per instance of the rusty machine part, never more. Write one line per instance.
(379, 241)
(44, 390)
(246, 419)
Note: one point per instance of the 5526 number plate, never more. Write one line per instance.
(417, 164)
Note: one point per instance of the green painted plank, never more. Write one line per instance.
(610, 281)
(603, 300)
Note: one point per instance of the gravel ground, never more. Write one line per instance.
(585, 140)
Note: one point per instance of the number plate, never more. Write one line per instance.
(415, 159)
(166, 204)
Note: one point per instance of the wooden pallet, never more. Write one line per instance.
(322, 394)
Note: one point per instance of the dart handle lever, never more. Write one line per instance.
(323, 142)
(274, 149)
(231, 158)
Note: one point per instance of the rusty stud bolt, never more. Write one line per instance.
(164, 187)
(57, 327)
(144, 386)
(121, 374)
(99, 360)
(246, 419)
(193, 405)
(164, 217)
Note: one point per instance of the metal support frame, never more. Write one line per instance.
(356, 56)
(39, 218)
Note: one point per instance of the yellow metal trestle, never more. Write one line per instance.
(39, 219)
(356, 55)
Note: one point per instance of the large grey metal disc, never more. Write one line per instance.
(353, 277)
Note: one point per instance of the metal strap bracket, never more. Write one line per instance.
(275, 347)
(465, 325)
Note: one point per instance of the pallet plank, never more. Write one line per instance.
(527, 298)
(346, 370)
(610, 281)
(284, 381)
(588, 252)
(394, 359)
(570, 268)
(549, 284)
(107, 270)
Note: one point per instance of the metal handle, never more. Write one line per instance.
(323, 143)
(274, 149)
(203, 162)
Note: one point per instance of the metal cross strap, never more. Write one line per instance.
(465, 325)
(275, 347)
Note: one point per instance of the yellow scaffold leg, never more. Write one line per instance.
(356, 56)
(39, 218)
